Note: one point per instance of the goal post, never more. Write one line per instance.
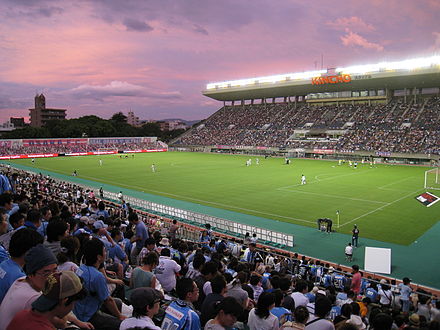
(432, 179)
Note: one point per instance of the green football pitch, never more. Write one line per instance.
(379, 199)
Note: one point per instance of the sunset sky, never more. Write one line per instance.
(155, 57)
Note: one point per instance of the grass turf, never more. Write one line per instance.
(380, 200)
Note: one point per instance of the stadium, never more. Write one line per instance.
(366, 139)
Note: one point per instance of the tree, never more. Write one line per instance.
(150, 129)
(119, 117)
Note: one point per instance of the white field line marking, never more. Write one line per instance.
(200, 200)
(334, 196)
(317, 176)
(381, 207)
(244, 209)
(393, 183)
(333, 177)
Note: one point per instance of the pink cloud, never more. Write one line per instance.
(73, 52)
(354, 39)
(353, 23)
(119, 88)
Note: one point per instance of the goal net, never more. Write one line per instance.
(432, 179)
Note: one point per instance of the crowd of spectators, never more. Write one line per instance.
(72, 148)
(394, 127)
(69, 259)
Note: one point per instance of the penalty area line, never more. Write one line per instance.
(334, 196)
(381, 207)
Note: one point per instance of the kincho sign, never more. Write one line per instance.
(337, 79)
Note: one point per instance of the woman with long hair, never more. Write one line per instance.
(67, 259)
(260, 318)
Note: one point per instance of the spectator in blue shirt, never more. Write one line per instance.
(5, 185)
(141, 235)
(116, 253)
(89, 308)
(102, 212)
(46, 214)
(405, 293)
(11, 269)
(339, 281)
(4, 255)
(371, 292)
(14, 182)
(33, 219)
(180, 314)
(282, 313)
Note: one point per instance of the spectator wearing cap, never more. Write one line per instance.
(83, 226)
(405, 293)
(101, 233)
(227, 312)
(40, 263)
(180, 314)
(146, 303)
(355, 317)
(88, 309)
(327, 278)
(61, 291)
(167, 270)
(11, 269)
(414, 321)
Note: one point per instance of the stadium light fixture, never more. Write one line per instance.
(265, 80)
(410, 64)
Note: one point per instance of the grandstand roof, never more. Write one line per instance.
(331, 80)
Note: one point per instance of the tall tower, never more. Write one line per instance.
(40, 115)
(40, 102)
